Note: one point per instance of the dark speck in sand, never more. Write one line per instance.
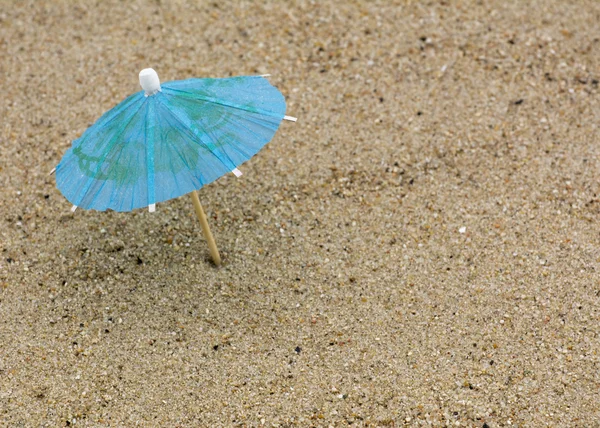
(519, 101)
(215, 347)
(298, 349)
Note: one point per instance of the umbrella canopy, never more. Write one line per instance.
(168, 140)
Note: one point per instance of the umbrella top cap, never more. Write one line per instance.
(149, 81)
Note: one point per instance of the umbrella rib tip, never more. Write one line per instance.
(152, 208)
(290, 118)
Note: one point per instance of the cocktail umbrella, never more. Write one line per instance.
(168, 140)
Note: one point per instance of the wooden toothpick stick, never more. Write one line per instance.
(214, 251)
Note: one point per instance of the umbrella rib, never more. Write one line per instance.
(240, 124)
(109, 117)
(183, 160)
(132, 189)
(115, 138)
(227, 104)
(149, 140)
(116, 161)
(254, 121)
(115, 115)
(166, 140)
(257, 112)
(199, 137)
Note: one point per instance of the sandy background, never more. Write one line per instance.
(422, 247)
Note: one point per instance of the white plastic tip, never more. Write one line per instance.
(53, 171)
(152, 208)
(237, 172)
(290, 118)
(149, 81)
(73, 208)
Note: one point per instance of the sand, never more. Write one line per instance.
(420, 248)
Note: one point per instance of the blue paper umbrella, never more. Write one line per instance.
(168, 140)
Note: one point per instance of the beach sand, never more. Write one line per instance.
(421, 247)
